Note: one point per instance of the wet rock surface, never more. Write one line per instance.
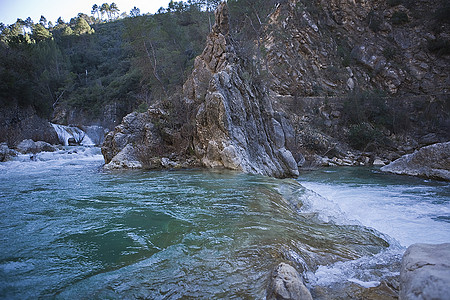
(425, 272)
(286, 283)
(6, 153)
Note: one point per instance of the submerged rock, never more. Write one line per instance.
(286, 283)
(431, 161)
(425, 272)
(30, 146)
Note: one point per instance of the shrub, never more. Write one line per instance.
(389, 53)
(440, 47)
(394, 2)
(399, 18)
(143, 107)
(363, 135)
(374, 21)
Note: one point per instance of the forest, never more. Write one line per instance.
(109, 59)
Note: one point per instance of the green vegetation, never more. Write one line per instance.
(394, 2)
(368, 115)
(389, 53)
(364, 135)
(99, 61)
(118, 62)
(440, 47)
(374, 21)
(399, 18)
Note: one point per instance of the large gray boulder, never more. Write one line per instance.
(425, 272)
(431, 161)
(30, 146)
(6, 153)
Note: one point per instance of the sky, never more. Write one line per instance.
(10, 10)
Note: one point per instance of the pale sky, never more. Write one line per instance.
(10, 10)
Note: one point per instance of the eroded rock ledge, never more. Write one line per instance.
(231, 120)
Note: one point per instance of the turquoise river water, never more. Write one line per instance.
(69, 230)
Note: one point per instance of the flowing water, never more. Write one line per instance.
(69, 230)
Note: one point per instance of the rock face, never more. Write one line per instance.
(333, 47)
(235, 125)
(431, 161)
(286, 283)
(18, 123)
(146, 140)
(425, 272)
(232, 121)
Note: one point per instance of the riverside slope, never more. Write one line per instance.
(232, 121)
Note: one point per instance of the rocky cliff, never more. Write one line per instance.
(19, 123)
(337, 83)
(232, 121)
(331, 47)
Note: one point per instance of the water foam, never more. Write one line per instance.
(66, 132)
(405, 213)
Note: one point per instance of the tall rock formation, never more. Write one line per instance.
(235, 125)
(232, 121)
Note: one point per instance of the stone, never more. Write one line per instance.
(286, 283)
(20, 123)
(30, 146)
(233, 123)
(378, 162)
(6, 153)
(431, 161)
(96, 133)
(428, 139)
(125, 159)
(350, 84)
(72, 142)
(425, 272)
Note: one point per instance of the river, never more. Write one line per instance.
(70, 230)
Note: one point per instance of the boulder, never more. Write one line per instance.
(125, 159)
(431, 161)
(6, 153)
(425, 272)
(286, 283)
(30, 146)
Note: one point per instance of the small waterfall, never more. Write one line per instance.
(66, 132)
(96, 133)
